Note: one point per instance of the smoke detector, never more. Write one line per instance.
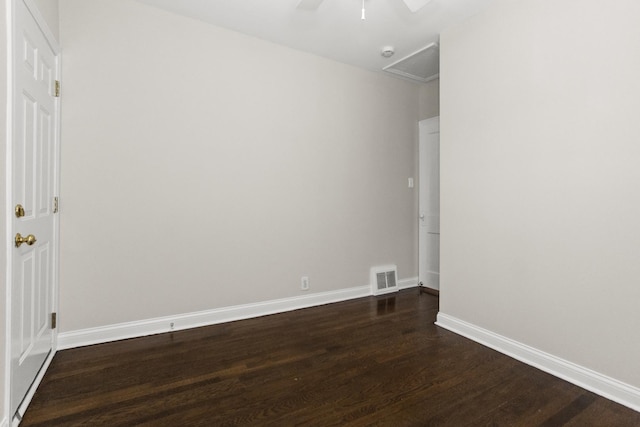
(387, 51)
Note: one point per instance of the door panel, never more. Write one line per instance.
(33, 182)
(24, 147)
(45, 134)
(429, 204)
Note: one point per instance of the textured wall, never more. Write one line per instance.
(203, 168)
(430, 99)
(540, 200)
(49, 11)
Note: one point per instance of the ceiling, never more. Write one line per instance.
(334, 29)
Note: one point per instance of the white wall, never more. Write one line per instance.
(430, 99)
(540, 171)
(203, 168)
(49, 11)
(3, 207)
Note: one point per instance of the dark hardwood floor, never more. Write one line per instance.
(370, 361)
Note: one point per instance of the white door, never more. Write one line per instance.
(429, 205)
(34, 154)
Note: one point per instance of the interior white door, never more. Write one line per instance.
(429, 204)
(34, 153)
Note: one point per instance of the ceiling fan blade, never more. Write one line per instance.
(415, 5)
(309, 4)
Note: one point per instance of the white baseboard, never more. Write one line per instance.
(603, 385)
(178, 322)
(402, 284)
(412, 282)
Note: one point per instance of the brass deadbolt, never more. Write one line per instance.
(19, 211)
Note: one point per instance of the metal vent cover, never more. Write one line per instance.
(384, 279)
(422, 65)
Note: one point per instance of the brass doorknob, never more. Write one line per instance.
(29, 240)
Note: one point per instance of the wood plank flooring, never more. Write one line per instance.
(371, 361)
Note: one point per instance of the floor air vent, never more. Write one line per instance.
(384, 279)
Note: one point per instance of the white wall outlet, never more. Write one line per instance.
(410, 182)
(304, 283)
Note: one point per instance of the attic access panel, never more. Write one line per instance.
(422, 65)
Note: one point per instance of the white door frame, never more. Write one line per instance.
(51, 40)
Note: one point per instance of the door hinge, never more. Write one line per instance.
(57, 89)
(54, 320)
(55, 205)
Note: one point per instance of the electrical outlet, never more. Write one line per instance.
(304, 283)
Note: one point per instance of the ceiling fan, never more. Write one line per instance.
(413, 5)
